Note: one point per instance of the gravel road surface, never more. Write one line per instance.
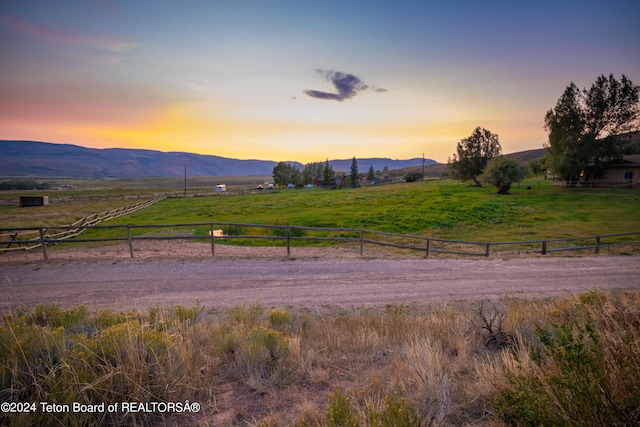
(222, 282)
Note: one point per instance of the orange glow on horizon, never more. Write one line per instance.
(179, 129)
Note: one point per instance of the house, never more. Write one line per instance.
(624, 172)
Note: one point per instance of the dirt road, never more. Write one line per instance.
(222, 282)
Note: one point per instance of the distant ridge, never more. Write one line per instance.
(44, 159)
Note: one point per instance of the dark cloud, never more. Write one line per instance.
(347, 86)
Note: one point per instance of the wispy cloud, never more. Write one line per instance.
(346, 85)
(68, 36)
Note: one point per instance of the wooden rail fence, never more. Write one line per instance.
(26, 239)
(286, 235)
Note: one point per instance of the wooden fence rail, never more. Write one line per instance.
(21, 237)
(225, 231)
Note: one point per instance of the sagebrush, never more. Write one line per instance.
(564, 361)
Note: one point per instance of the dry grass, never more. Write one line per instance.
(430, 365)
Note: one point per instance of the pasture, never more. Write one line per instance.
(443, 209)
(435, 209)
(438, 209)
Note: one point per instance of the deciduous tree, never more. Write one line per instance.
(473, 154)
(312, 172)
(588, 128)
(285, 174)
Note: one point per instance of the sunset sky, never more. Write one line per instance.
(301, 80)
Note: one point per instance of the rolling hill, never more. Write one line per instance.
(43, 159)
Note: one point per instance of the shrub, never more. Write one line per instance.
(413, 176)
(586, 371)
(491, 320)
(397, 412)
(502, 172)
(54, 316)
(340, 413)
(64, 356)
(279, 318)
(187, 314)
(248, 316)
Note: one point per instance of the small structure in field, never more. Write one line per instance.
(221, 188)
(26, 201)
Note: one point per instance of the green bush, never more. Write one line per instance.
(397, 412)
(279, 318)
(340, 413)
(54, 316)
(413, 176)
(502, 172)
(585, 371)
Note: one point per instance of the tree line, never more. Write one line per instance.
(24, 184)
(587, 129)
(318, 173)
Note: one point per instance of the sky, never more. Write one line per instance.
(301, 80)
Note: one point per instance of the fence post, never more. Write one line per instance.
(288, 241)
(426, 255)
(213, 240)
(130, 240)
(486, 253)
(361, 241)
(597, 247)
(43, 244)
(544, 247)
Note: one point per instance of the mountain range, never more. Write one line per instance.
(43, 159)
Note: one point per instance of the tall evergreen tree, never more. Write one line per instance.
(371, 175)
(327, 173)
(354, 176)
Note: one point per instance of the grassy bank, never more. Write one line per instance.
(566, 361)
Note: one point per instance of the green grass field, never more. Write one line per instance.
(443, 209)
(438, 209)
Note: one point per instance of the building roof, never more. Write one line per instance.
(630, 160)
(633, 158)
